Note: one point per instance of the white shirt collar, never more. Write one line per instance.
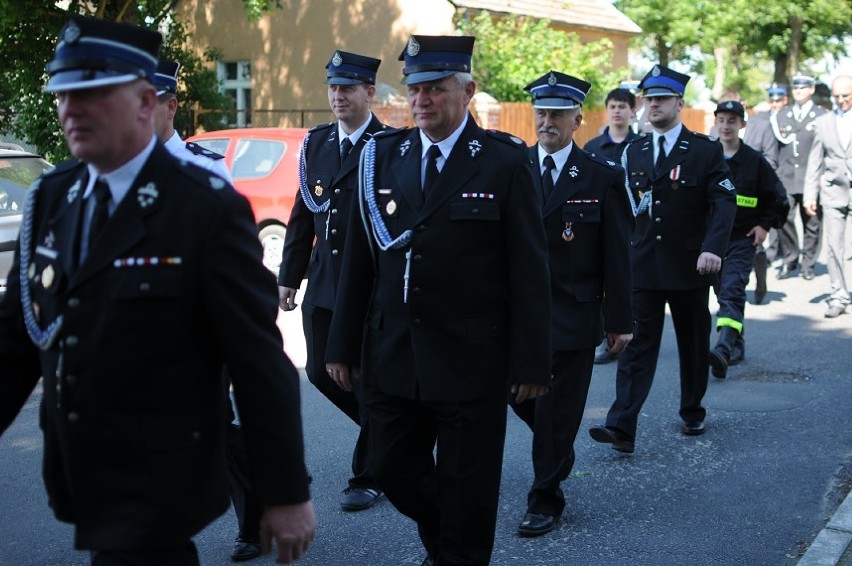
(122, 178)
(445, 145)
(560, 158)
(174, 144)
(671, 137)
(804, 108)
(356, 135)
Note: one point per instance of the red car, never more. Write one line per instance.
(264, 165)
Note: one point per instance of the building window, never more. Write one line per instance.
(235, 78)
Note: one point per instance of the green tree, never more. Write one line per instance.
(738, 44)
(512, 51)
(29, 30)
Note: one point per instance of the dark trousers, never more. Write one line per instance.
(637, 364)
(452, 497)
(247, 505)
(730, 292)
(789, 239)
(316, 323)
(181, 555)
(554, 419)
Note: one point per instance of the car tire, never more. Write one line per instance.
(272, 241)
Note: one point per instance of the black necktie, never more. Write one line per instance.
(432, 156)
(345, 148)
(661, 155)
(101, 215)
(547, 177)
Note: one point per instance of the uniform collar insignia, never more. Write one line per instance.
(147, 195)
(72, 192)
(404, 147)
(217, 182)
(573, 171)
(474, 147)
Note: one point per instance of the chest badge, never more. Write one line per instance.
(318, 189)
(48, 276)
(390, 208)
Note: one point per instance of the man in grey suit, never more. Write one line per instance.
(829, 179)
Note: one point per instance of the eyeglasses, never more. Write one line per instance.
(841, 95)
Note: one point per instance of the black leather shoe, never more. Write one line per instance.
(620, 441)
(245, 549)
(808, 274)
(718, 364)
(786, 271)
(359, 498)
(536, 524)
(692, 429)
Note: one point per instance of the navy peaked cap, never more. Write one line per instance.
(662, 81)
(776, 91)
(433, 57)
(557, 91)
(346, 68)
(166, 77)
(730, 106)
(92, 53)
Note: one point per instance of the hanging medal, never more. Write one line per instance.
(568, 232)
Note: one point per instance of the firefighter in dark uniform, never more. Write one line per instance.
(445, 277)
(761, 205)
(137, 276)
(587, 222)
(316, 237)
(794, 126)
(684, 203)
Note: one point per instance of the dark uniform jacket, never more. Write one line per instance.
(334, 182)
(134, 408)
(796, 137)
(761, 199)
(693, 204)
(478, 288)
(603, 144)
(758, 134)
(590, 274)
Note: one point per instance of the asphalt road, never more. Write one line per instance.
(755, 489)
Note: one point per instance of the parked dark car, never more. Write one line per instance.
(18, 169)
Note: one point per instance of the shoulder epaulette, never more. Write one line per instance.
(603, 160)
(388, 131)
(63, 167)
(202, 151)
(514, 141)
(319, 127)
(703, 136)
(202, 176)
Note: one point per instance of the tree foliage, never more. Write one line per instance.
(739, 44)
(29, 31)
(512, 51)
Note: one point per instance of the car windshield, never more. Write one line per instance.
(17, 172)
(256, 158)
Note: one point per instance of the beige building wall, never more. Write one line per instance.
(288, 48)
